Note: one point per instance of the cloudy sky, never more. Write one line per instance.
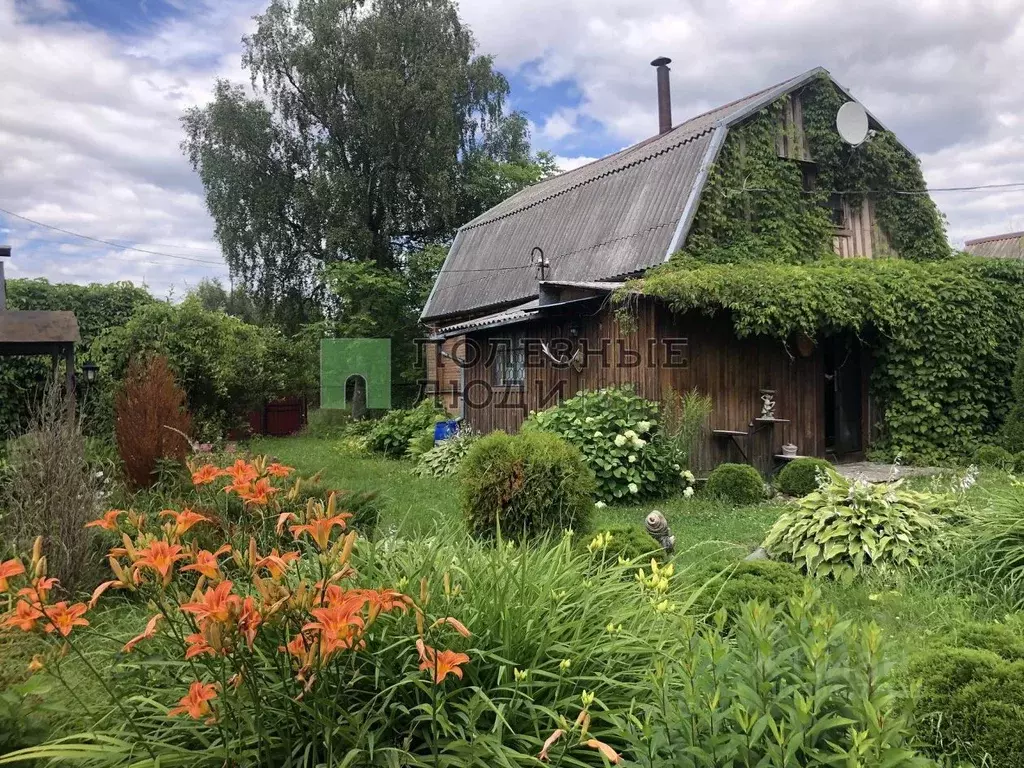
(91, 92)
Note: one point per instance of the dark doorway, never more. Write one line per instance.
(843, 416)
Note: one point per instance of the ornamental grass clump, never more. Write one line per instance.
(526, 486)
(619, 434)
(848, 526)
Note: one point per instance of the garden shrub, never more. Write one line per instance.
(800, 476)
(619, 435)
(445, 458)
(1012, 434)
(731, 586)
(420, 443)
(151, 421)
(994, 457)
(225, 366)
(530, 485)
(1000, 639)
(625, 543)
(971, 704)
(735, 483)
(845, 527)
(1018, 462)
(391, 434)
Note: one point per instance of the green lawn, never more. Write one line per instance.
(413, 505)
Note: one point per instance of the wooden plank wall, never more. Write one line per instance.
(862, 237)
(730, 370)
(442, 379)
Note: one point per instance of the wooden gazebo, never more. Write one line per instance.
(37, 333)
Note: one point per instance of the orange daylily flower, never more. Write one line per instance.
(62, 619)
(279, 470)
(607, 752)
(296, 646)
(184, 520)
(275, 563)
(108, 522)
(10, 569)
(283, 518)
(40, 589)
(24, 617)
(249, 620)
(455, 624)
(197, 701)
(147, 633)
(36, 664)
(197, 646)
(123, 581)
(216, 604)
(242, 472)
(549, 742)
(206, 474)
(242, 488)
(339, 626)
(441, 663)
(206, 563)
(260, 493)
(160, 556)
(319, 529)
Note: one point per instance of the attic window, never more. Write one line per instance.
(837, 209)
(510, 360)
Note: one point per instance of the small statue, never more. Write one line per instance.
(657, 526)
(767, 404)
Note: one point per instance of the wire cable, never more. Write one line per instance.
(110, 243)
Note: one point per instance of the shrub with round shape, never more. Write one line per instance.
(628, 542)
(800, 476)
(994, 457)
(972, 702)
(729, 587)
(736, 483)
(527, 486)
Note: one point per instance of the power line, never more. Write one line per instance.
(108, 242)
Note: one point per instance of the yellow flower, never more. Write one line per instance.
(564, 665)
(520, 675)
(587, 698)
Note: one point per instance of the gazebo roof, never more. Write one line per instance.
(31, 327)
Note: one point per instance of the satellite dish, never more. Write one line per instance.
(852, 123)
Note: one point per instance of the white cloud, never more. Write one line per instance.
(943, 74)
(89, 128)
(571, 163)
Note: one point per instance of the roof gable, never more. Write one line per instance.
(616, 216)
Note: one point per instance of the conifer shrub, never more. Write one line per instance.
(526, 486)
(151, 420)
(800, 476)
(736, 483)
(971, 705)
(731, 586)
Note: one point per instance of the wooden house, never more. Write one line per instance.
(522, 313)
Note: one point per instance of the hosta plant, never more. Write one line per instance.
(847, 526)
(445, 458)
(619, 434)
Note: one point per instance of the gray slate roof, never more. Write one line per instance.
(614, 217)
(1008, 246)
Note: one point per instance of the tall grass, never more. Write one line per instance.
(685, 423)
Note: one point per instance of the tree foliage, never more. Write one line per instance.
(97, 308)
(376, 128)
(944, 334)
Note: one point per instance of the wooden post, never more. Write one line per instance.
(69, 360)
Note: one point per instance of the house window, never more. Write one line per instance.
(510, 360)
(837, 209)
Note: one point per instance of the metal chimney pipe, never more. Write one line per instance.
(664, 94)
(5, 252)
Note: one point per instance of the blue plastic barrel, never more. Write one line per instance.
(445, 429)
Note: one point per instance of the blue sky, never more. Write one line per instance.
(91, 92)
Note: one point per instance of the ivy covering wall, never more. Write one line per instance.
(755, 206)
(945, 335)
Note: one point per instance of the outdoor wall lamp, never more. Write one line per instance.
(91, 371)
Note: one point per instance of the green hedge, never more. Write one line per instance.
(800, 476)
(736, 483)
